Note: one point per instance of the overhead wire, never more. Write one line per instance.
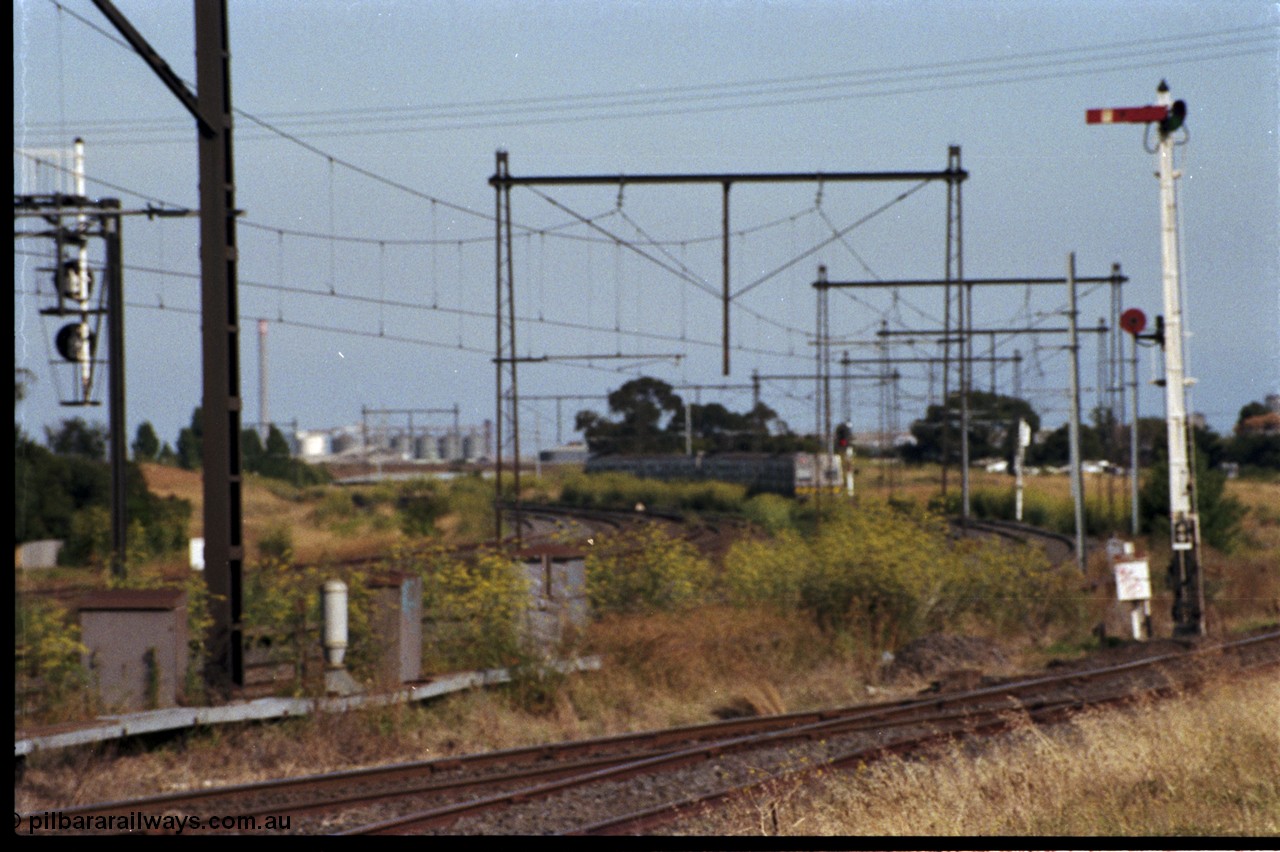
(813, 249)
(383, 302)
(964, 73)
(703, 91)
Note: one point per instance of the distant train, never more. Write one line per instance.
(788, 474)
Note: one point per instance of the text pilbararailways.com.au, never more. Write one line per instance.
(52, 822)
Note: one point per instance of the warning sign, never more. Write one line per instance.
(1133, 580)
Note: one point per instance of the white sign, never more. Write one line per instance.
(1133, 580)
(1024, 433)
(195, 552)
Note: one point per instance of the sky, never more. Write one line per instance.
(365, 136)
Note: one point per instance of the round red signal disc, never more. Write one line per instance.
(1133, 321)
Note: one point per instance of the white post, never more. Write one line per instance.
(335, 623)
(1133, 446)
(84, 344)
(263, 428)
(1024, 441)
(1183, 522)
(1175, 380)
(848, 465)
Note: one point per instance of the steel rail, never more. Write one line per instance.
(823, 728)
(663, 748)
(1046, 714)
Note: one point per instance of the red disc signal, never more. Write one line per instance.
(1133, 321)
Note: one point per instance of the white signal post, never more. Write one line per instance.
(1188, 584)
(1019, 460)
(84, 339)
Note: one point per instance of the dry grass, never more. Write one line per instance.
(671, 669)
(666, 669)
(1197, 765)
(270, 506)
(660, 671)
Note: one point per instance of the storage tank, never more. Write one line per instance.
(451, 447)
(314, 444)
(427, 448)
(341, 442)
(402, 446)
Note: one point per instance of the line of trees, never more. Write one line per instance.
(62, 488)
(63, 491)
(272, 459)
(1253, 444)
(646, 415)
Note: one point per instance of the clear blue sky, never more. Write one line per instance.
(367, 236)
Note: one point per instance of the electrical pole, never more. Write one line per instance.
(1073, 425)
(211, 107)
(1184, 569)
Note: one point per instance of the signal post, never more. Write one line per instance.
(1185, 575)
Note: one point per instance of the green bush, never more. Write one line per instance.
(769, 572)
(888, 575)
(471, 500)
(276, 542)
(418, 506)
(284, 603)
(1220, 514)
(644, 569)
(769, 511)
(49, 672)
(474, 609)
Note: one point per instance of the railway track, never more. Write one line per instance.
(1057, 546)
(637, 782)
(582, 524)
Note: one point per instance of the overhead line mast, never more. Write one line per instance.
(1184, 569)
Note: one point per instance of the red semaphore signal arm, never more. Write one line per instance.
(1126, 115)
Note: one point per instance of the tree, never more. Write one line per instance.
(21, 378)
(1220, 514)
(66, 496)
(649, 417)
(48, 489)
(276, 460)
(146, 446)
(1257, 450)
(1055, 448)
(1252, 409)
(276, 457)
(1111, 435)
(251, 451)
(78, 438)
(716, 429)
(642, 409)
(1255, 441)
(993, 427)
(191, 442)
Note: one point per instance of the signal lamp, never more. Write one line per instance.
(1133, 321)
(70, 340)
(1173, 120)
(75, 283)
